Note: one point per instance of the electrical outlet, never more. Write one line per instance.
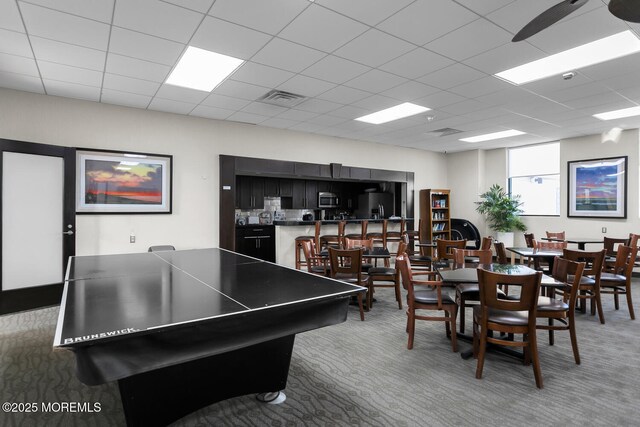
(604, 229)
(132, 238)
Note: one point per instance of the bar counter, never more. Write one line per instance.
(287, 231)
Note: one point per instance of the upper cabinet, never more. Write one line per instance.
(250, 192)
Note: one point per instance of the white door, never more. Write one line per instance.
(32, 189)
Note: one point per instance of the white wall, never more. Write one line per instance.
(494, 171)
(195, 144)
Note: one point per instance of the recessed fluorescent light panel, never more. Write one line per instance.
(606, 49)
(494, 135)
(394, 113)
(202, 69)
(618, 114)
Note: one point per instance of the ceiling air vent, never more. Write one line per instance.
(282, 98)
(445, 131)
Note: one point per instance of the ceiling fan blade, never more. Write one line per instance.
(627, 10)
(548, 18)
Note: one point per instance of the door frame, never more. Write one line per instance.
(40, 296)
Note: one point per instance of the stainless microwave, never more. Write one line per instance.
(328, 200)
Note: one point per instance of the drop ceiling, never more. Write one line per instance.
(347, 58)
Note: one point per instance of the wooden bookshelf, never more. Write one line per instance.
(435, 214)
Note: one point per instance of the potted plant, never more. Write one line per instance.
(502, 212)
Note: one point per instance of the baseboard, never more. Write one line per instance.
(29, 298)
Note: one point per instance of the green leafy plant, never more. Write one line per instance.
(501, 210)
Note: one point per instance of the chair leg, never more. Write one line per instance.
(411, 324)
(360, 306)
(398, 293)
(630, 303)
(369, 293)
(454, 337)
(476, 339)
(551, 340)
(481, 352)
(599, 305)
(574, 340)
(616, 302)
(533, 347)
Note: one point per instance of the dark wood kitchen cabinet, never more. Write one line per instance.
(304, 194)
(311, 194)
(250, 192)
(257, 241)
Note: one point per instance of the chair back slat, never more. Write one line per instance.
(560, 235)
(484, 256)
(529, 238)
(501, 253)
(569, 272)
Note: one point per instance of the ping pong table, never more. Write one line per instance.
(180, 330)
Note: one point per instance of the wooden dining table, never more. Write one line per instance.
(580, 241)
(546, 254)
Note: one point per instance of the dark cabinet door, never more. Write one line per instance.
(258, 242)
(243, 192)
(311, 194)
(286, 187)
(257, 192)
(271, 187)
(298, 195)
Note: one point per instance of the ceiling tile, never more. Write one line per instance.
(464, 107)
(349, 112)
(416, 63)
(612, 69)
(316, 105)
(504, 57)
(370, 12)
(470, 40)
(426, 20)
(275, 122)
(480, 87)
(137, 68)
(261, 15)
(375, 81)
(451, 76)
(289, 56)
(229, 39)
(410, 91)
(439, 99)
(306, 86)
(145, 47)
(15, 43)
(263, 109)
(243, 117)
(171, 106)
(197, 5)
(18, 65)
(326, 120)
(64, 53)
(344, 95)
(376, 103)
(298, 115)
(609, 98)
(322, 29)
(258, 74)
(485, 6)
(183, 94)
(131, 85)
(10, 16)
(124, 98)
(307, 127)
(98, 10)
(334, 69)
(374, 48)
(225, 102)
(71, 90)
(241, 90)
(211, 112)
(157, 18)
(21, 82)
(65, 27)
(66, 73)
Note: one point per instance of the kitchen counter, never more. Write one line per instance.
(335, 221)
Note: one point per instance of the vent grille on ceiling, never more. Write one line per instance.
(445, 131)
(282, 98)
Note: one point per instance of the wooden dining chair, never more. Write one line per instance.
(336, 240)
(468, 292)
(618, 281)
(509, 316)
(590, 283)
(528, 240)
(315, 263)
(486, 242)
(444, 250)
(563, 310)
(345, 265)
(366, 244)
(542, 245)
(501, 253)
(610, 246)
(559, 235)
(426, 295)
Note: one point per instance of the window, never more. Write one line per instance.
(534, 174)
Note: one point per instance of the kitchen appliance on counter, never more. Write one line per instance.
(328, 200)
(307, 217)
(375, 205)
(265, 218)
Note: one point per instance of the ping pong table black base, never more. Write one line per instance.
(162, 396)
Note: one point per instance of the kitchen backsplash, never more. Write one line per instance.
(272, 205)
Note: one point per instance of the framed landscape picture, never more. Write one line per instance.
(598, 188)
(109, 182)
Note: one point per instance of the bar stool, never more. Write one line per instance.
(413, 236)
(298, 245)
(379, 238)
(333, 239)
(363, 231)
(396, 236)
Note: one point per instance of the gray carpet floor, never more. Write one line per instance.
(361, 373)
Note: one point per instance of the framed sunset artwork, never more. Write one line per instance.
(112, 183)
(598, 188)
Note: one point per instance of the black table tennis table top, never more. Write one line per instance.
(108, 296)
